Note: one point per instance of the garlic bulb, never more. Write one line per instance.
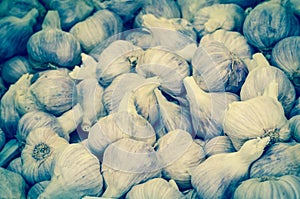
(69, 11)
(179, 155)
(116, 126)
(174, 33)
(207, 109)
(76, 173)
(154, 188)
(278, 160)
(159, 8)
(125, 8)
(218, 16)
(42, 145)
(62, 125)
(45, 46)
(12, 185)
(261, 76)
(174, 116)
(14, 68)
(218, 144)
(220, 174)
(294, 125)
(284, 57)
(89, 95)
(141, 37)
(169, 67)
(118, 58)
(269, 187)
(9, 152)
(15, 33)
(190, 8)
(9, 115)
(218, 63)
(127, 162)
(96, 28)
(257, 117)
(61, 91)
(37, 189)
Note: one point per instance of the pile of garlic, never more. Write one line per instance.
(145, 99)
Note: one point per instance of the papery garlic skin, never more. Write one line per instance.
(37, 189)
(42, 145)
(76, 173)
(179, 155)
(218, 16)
(219, 144)
(126, 163)
(154, 188)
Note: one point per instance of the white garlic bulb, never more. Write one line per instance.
(76, 173)
(154, 188)
(89, 96)
(218, 16)
(207, 108)
(42, 145)
(117, 58)
(169, 67)
(219, 175)
(127, 162)
(179, 155)
(257, 117)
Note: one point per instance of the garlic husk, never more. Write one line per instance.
(174, 34)
(14, 68)
(37, 189)
(15, 33)
(38, 154)
(114, 93)
(174, 116)
(86, 70)
(179, 155)
(60, 95)
(220, 174)
(261, 76)
(96, 28)
(122, 124)
(190, 8)
(15, 166)
(158, 8)
(141, 37)
(207, 109)
(218, 63)
(69, 11)
(89, 96)
(12, 185)
(127, 162)
(9, 152)
(218, 144)
(154, 188)
(44, 46)
(278, 160)
(169, 67)
(24, 100)
(9, 115)
(294, 125)
(257, 117)
(118, 58)
(126, 9)
(76, 173)
(218, 16)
